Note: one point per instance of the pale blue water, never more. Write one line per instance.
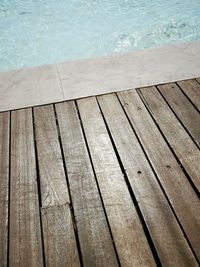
(34, 32)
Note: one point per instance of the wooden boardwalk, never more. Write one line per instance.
(112, 180)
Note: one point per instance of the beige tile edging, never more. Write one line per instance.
(76, 79)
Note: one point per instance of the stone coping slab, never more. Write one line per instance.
(76, 79)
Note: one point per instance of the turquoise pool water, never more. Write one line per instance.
(34, 32)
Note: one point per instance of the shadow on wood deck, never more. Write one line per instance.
(112, 180)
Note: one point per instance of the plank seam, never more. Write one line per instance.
(131, 192)
(93, 169)
(62, 101)
(186, 174)
(38, 186)
(177, 83)
(70, 205)
(177, 159)
(197, 80)
(168, 104)
(9, 186)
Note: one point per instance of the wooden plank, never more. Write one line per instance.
(176, 185)
(25, 247)
(59, 238)
(182, 107)
(4, 184)
(124, 222)
(59, 241)
(180, 141)
(53, 183)
(95, 239)
(156, 211)
(192, 89)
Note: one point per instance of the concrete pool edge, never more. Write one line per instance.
(76, 79)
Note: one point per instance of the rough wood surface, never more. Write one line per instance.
(124, 222)
(178, 138)
(59, 242)
(25, 247)
(198, 80)
(59, 238)
(182, 107)
(4, 185)
(95, 239)
(53, 183)
(156, 211)
(192, 89)
(98, 181)
(176, 185)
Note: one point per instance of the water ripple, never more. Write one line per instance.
(34, 32)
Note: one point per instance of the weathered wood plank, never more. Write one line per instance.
(4, 184)
(95, 239)
(178, 138)
(25, 248)
(59, 241)
(192, 89)
(59, 238)
(124, 222)
(182, 107)
(53, 183)
(156, 211)
(176, 185)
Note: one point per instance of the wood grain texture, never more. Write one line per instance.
(124, 222)
(53, 183)
(59, 238)
(95, 239)
(176, 185)
(156, 211)
(45, 222)
(192, 89)
(182, 107)
(4, 184)
(178, 138)
(25, 247)
(59, 242)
